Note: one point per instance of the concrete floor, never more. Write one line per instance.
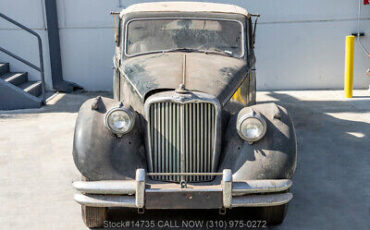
(331, 185)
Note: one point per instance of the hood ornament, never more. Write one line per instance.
(181, 89)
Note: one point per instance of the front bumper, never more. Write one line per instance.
(140, 193)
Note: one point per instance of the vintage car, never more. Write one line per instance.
(184, 130)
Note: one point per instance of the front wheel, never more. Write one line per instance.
(93, 217)
(273, 215)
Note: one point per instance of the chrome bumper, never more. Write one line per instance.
(139, 194)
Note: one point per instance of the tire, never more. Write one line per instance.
(273, 215)
(93, 217)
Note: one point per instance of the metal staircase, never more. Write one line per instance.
(15, 83)
(16, 91)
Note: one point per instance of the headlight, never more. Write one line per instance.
(120, 120)
(250, 125)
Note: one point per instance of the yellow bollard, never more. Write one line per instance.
(348, 72)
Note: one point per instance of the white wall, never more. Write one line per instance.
(31, 14)
(300, 44)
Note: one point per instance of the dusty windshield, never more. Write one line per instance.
(152, 35)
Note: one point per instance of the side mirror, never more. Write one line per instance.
(116, 34)
(254, 28)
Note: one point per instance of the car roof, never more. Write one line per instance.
(185, 7)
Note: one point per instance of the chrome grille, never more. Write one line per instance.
(182, 138)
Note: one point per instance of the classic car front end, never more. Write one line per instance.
(183, 130)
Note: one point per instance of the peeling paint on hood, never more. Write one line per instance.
(214, 74)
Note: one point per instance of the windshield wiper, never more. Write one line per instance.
(182, 49)
(207, 51)
(219, 51)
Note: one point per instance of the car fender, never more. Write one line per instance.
(272, 157)
(97, 152)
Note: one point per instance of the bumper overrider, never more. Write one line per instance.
(143, 194)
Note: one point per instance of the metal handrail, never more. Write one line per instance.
(41, 68)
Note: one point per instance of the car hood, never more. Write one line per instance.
(214, 74)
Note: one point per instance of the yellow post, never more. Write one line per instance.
(348, 72)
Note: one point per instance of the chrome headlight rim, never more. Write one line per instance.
(251, 115)
(128, 111)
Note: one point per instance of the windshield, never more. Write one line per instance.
(158, 35)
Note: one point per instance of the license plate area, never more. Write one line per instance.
(183, 199)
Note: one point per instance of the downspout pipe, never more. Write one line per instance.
(59, 84)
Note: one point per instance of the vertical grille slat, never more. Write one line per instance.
(178, 147)
(166, 139)
(154, 135)
(182, 139)
(173, 138)
(197, 140)
(206, 150)
(201, 137)
(209, 139)
(186, 131)
(160, 139)
(194, 137)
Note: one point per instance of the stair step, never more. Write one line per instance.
(32, 87)
(15, 78)
(4, 68)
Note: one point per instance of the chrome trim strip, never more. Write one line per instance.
(105, 187)
(241, 188)
(233, 192)
(265, 200)
(173, 190)
(186, 174)
(105, 200)
(182, 144)
(261, 200)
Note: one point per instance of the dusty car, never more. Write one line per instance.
(184, 130)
